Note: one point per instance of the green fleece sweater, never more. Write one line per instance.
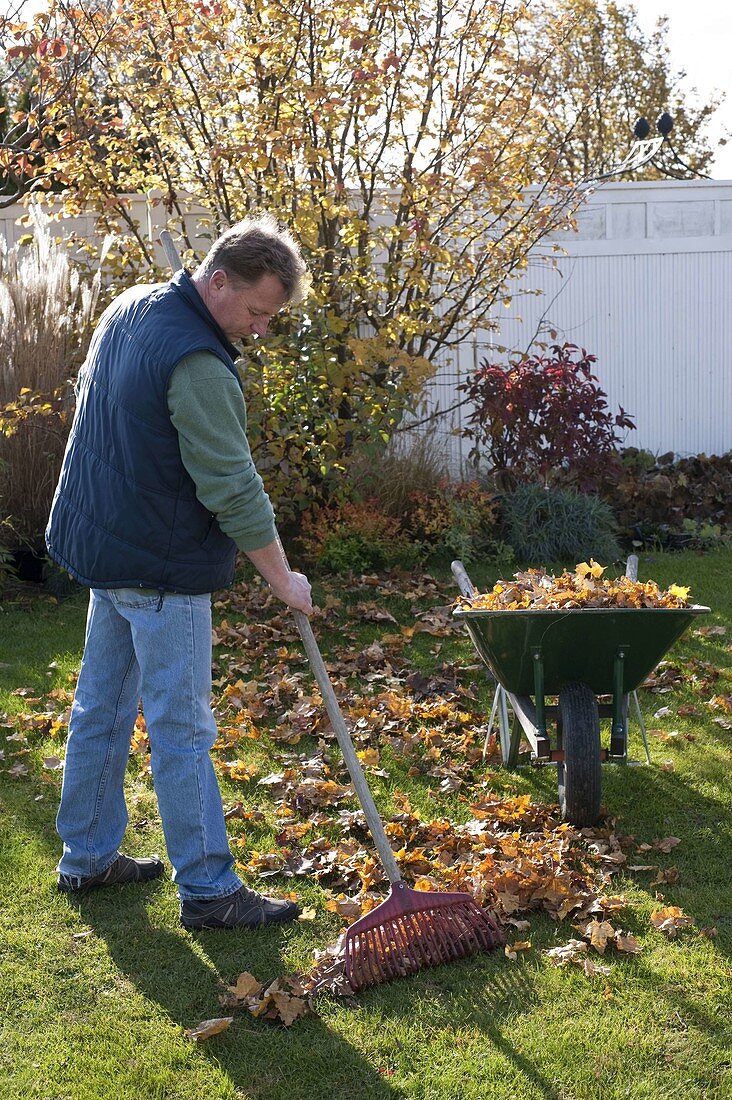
(207, 410)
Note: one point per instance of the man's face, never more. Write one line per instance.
(243, 309)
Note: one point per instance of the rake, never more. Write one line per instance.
(412, 929)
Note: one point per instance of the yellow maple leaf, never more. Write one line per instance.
(679, 591)
(592, 569)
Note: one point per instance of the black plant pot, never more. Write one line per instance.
(32, 564)
(29, 563)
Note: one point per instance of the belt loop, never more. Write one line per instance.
(160, 601)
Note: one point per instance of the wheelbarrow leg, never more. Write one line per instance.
(641, 723)
(499, 710)
(506, 740)
(489, 730)
(513, 749)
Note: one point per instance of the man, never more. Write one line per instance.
(156, 493)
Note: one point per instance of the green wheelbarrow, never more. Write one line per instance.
(575, 654)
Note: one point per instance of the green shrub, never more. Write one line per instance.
(459, 519)
(545, 525)
(7, 568)
(411, 464)
(313, 410)
(670, 502)
(355, 537)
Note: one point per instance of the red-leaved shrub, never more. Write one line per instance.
(543, 414)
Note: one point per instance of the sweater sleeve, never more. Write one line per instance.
(207, 409)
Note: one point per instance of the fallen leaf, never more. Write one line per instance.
(511, 948)
(627, 943)
(246, 985)
(592, 968)
(667, 843)
(571, 952)
(598, 933)
(344, 907)
(612, 903)
(669, 919)
(207, 1028)
(289, 1007)
(669, 875)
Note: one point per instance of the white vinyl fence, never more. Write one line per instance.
(645, 284)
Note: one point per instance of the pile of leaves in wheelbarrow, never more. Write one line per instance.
(585, 587)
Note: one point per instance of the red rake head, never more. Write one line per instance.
(414, 929)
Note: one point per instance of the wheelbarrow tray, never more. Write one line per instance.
(575, 644)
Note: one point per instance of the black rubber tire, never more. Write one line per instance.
(579, 774)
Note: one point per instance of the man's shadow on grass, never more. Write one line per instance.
(185, 974)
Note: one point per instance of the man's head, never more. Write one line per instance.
(249, 274)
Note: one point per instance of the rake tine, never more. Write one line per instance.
(383, 957)
(424, 947)
(370, 955)
(446, 945)
(439, 942)
(365, 957)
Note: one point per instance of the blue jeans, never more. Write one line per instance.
(139, 646)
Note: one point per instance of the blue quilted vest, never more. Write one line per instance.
(125, 513)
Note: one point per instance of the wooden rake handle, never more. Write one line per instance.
(353, 764)
(171, 252)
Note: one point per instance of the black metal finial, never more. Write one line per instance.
(642, 129)
(665, 124)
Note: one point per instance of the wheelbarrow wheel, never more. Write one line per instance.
(579, 774)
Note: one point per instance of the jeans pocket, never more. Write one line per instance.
(134, 597)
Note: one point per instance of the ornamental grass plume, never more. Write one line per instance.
(46, 309)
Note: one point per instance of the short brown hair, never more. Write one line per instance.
(255, 247)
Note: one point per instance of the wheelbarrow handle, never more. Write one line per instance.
(464, 582)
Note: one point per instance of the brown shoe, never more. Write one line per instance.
(124, 869)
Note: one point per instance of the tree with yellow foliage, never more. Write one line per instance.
(406, 143)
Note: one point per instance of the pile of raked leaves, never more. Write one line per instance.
(585, 587)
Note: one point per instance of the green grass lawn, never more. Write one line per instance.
(96, 994)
